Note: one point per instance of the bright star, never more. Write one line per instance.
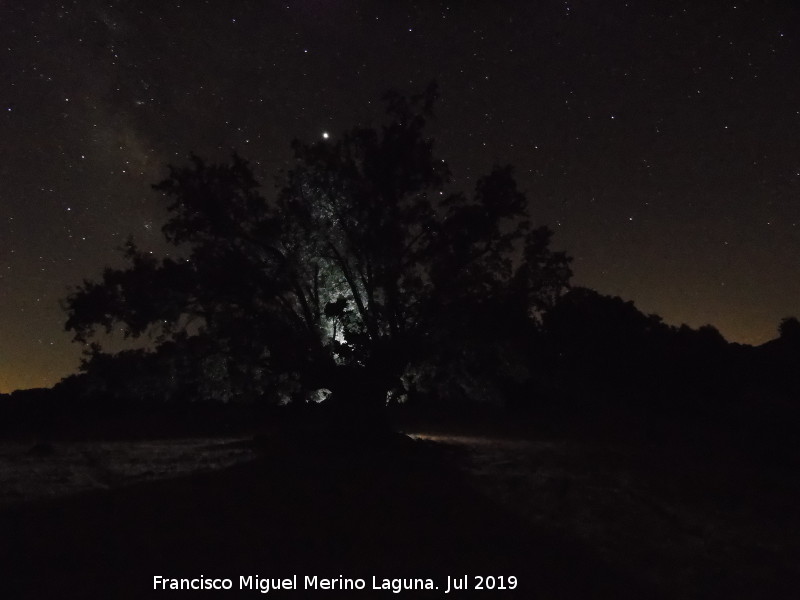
(325, 135)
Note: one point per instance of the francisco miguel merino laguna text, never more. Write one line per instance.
(314, 582)
(310, 582)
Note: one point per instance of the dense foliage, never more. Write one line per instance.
(364, 274)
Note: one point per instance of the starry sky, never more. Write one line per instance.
(659, 140)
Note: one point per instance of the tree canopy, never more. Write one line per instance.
(362, 265)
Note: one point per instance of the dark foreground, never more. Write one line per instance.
(390, 509)
(659, 512)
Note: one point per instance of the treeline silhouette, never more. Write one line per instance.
(367, 287)
(593, 359)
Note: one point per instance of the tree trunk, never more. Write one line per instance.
(358, 403)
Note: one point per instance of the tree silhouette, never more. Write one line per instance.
(789, 330)
(362, 265)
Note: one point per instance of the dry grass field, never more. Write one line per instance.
(569, 519)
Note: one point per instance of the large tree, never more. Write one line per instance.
(362, 265)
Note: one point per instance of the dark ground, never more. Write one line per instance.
(390, 511)
(570, 519)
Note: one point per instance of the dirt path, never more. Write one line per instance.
(571, 519)
(398, 511)
(691, 527)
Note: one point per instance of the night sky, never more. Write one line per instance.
(659, 140)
